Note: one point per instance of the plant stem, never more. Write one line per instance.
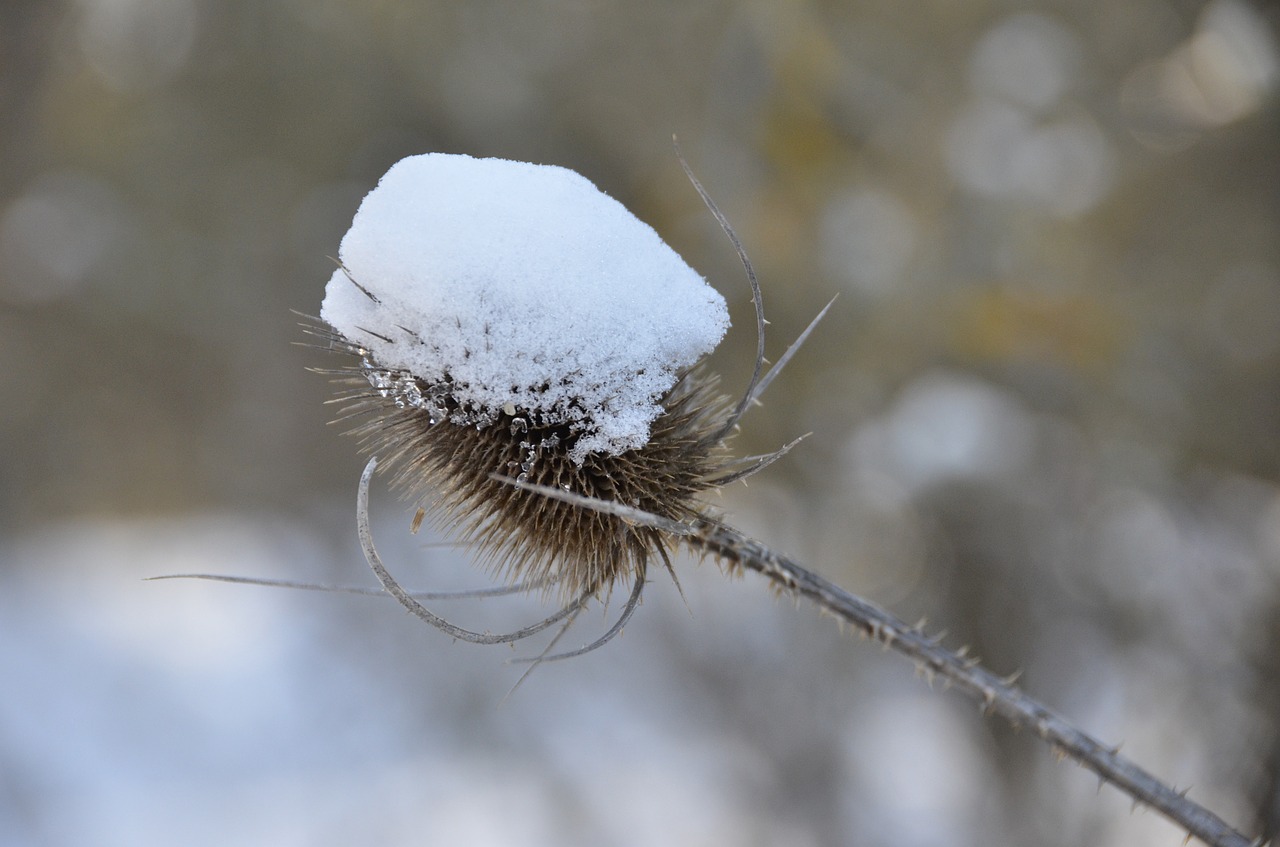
(994, 695)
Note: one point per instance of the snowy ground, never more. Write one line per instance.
(158, 713)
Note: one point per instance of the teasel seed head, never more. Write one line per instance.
(459, 475)
(507, 322)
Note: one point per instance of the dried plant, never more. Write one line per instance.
(509, 483)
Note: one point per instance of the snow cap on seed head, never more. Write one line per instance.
(522, 286)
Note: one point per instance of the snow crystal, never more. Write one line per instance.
(522, 286)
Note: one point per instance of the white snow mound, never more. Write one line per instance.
(527, 287)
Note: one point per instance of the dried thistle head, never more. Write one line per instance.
(509, 321)
(459, 473)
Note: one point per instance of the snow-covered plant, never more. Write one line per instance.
(525, 355)
(509, 320)
(515, 333)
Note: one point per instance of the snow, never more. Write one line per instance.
(523, 286)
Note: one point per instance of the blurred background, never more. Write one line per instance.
(1044, 414)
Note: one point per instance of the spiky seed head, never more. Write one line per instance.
(454, 471)
(510, 319)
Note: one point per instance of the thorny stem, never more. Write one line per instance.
(994, 695)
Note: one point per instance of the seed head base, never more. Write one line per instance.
(455, 472)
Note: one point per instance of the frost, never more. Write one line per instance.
(522, 287)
